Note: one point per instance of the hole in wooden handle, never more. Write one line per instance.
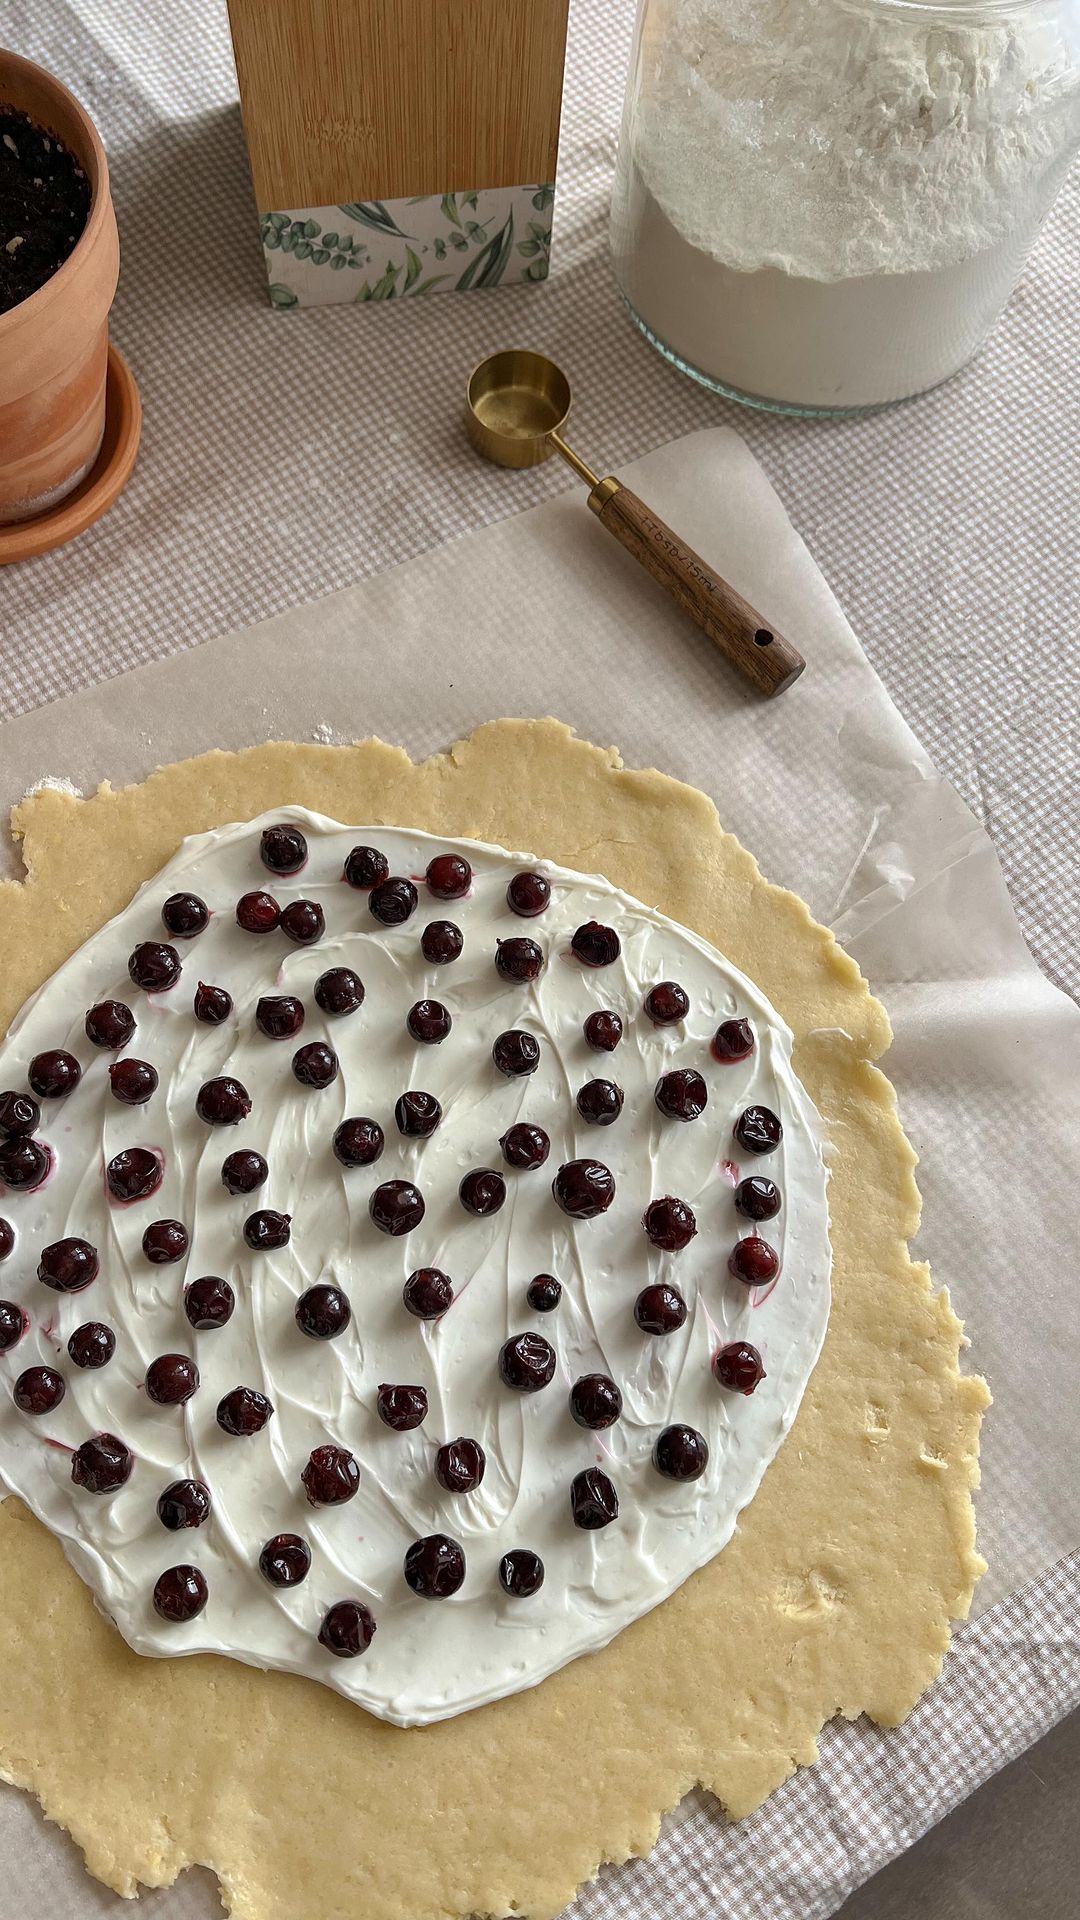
(763, 638)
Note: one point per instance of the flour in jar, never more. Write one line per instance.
(825, 205)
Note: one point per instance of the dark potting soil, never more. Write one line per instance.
(44, 203)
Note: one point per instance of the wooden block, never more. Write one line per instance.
(350, 101)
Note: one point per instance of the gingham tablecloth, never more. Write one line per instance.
(286, 455)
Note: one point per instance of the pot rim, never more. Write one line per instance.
(98, 171)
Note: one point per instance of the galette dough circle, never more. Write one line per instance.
(834, 1596)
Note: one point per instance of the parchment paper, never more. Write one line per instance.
(828, 787)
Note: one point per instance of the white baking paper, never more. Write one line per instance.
(828, 787)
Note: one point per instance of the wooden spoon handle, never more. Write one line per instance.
(762, 655)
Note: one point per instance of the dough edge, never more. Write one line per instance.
(155, 1765)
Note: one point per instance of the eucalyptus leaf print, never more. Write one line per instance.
(384, 289)
(372, 213)
(305, 240)
(487, 267)
(466, 239)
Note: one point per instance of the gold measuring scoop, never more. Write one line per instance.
(518, 404)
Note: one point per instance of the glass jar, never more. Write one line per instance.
(822, 206)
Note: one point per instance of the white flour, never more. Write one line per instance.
(825, 205)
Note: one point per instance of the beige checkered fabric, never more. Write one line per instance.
(288, 455)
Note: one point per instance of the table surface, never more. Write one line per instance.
(287, 455)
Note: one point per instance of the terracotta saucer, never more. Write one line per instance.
(106, 480)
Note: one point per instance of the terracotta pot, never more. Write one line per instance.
(53, 346)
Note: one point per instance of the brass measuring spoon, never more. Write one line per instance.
(518, 405)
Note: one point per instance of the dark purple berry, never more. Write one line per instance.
(392, 901)
(732, 1041)
(666, 1004)
(435, 1567)
(660, 1309)
(323, 1312)
(339, 991)
(600, 1102)
(303, 922)
(519, 960)
(402, 1408)
(753, 1261)
(682, 1094)
(165, 1241)
(171, 1379)
(257, 912)
(315, 1065)
(595, 1401)
(366, 867)
(223, 1102)
(133, 1082)
(544, 1293)
(595, 945)
(20, 1115)
(92, 1345)
(285, 1560)
(584, 1188)
(38, 1390)
(244, 1171)
(209, 1303)
(417, 1115)
(669, 1223)
(212, 1005)
(428, 1293)
(459, 1465)
(758, 1130)
(24, 1164)
(428, 1022)
(603, 1031)
(516, 1053)
(67, 1266)
(110, 1024)
(184, 915)
(738, 1367)
(528, 894)
(102, 1464)
(267, 1231)
(594, 1502)
(757, 1199)
(180, 1594)
(279, 1015)
(134, 1174)
(396, 1207)
(527, 1362)
(185, 1503)
(482, 1192)
(525, 1147)
(7, 1239)
(243, 1412)
(54, 1074)
(348, 1629)
(154, 966)
(331, 1476)
(448, 876)
(13, 1324)
(441, 943)
(681, 1453)
(282, 849)
(358, 1143)
(521, 1573)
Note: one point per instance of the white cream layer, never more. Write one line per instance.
(428, 1659)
